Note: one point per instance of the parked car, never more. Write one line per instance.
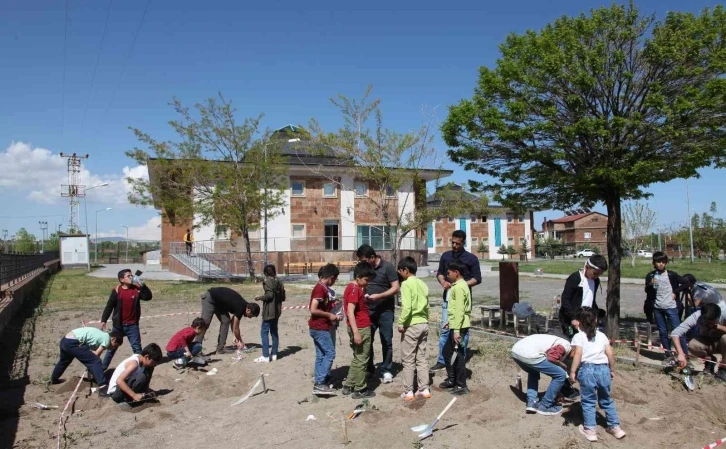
(644, 253)
(585, 253)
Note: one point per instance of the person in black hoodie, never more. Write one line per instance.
(581, 291)
(124, 308)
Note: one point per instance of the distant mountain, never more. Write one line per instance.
(122, 239)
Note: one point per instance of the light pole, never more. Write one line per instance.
(85, 212)
(5, 239)
(95, 246)
(43, 227)
(690, 220)
(127, 243)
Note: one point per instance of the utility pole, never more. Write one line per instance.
(127, 243)
(690, 219)
(73, 189)
(660, 247)
(43, 228)
(5, 239)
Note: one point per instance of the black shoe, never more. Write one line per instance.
(447, 385)
(103, 392)
(363, 394)
(347, 390)
(460, 391)
(438, 366)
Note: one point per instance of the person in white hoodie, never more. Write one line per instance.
(542, 354)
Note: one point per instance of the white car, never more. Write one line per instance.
(644, 253)
(586, 253)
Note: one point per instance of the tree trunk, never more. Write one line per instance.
(614, 236)
(632, 261)
(250, 262)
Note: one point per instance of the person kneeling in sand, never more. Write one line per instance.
(543, 354)
(182, 347)
(132, 378)
(86, 344)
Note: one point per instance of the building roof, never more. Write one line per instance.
(571, 218)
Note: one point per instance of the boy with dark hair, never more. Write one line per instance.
(581, 291)
(220, 302)
(458, 323)
(132, 378)
(413, 324)
(359, 331)
(86, 344)
(662, 288)
(710, 325)
(381, 290)
(336, 308)
(319, 324)
(182, 348)
(124, 308)
(271, 310)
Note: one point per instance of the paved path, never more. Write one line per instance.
(151, 272)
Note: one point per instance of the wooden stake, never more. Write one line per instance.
(649, 335)
(636, 343)
(345, 430)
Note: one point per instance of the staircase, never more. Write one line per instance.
(199, 261)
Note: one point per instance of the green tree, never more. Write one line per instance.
(594, 109)
(638, 220)
(503, 251)
(222, 170)
(25, 242)
(525, 249)
(396, 166)
(511, 250)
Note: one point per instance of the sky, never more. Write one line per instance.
(77, 85)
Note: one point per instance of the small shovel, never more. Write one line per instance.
(427, 429)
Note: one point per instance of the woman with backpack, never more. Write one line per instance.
(271, 311)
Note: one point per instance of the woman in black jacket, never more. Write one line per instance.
(580, 291)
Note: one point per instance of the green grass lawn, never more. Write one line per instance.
(73, 289)
(703, 271)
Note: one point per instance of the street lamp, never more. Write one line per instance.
(95, 249)
(690, 220)
(5, 239)
(127, 243)
(85, 212)
(43, 227)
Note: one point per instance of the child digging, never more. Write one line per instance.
(459, 323)
(319, 323)
(594, 358)
(183, 349)
(359, 331)
(413, 324)
(86, 344)
(131, 379)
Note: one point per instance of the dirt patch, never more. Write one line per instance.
(493, 414)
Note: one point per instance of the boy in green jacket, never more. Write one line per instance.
(413, 325)
(459, 323)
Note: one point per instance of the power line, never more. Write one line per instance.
(63, 91)
(123, 68)
(95, 67)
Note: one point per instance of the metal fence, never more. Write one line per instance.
(275, 244)
(14, 266)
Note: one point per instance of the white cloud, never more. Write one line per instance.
(150, 230)
(39, 173)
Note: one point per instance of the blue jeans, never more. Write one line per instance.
(595, 388)
(445, 333)
(131, 331)
(73, 349)
(661, 317)
(324, 354)
(548, 368)
(383, 322)
(196, 348)
(270, 327)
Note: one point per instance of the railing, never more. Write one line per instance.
(14, 265)
(275, 244)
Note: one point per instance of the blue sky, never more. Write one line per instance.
(285, 61)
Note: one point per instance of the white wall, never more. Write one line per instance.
(279, 227)
(347, 221)
(406, 205)
(74, 250)
(202, 233)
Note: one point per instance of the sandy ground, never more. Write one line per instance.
(196, 409)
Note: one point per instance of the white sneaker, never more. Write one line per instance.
(274, 358)
(407, 396)
(198, 360)
(387, 378)
(180, 363)
(262, 359)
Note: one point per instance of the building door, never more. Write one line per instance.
(331, 235)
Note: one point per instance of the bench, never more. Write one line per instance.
(347, 265)
(301, 267)
(490, 312)
(314, 267)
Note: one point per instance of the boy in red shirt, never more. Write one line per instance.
(182, 348)
(320, 323)
(359, 331)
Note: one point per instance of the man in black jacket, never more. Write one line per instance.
(124, 308)
(580, 291)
